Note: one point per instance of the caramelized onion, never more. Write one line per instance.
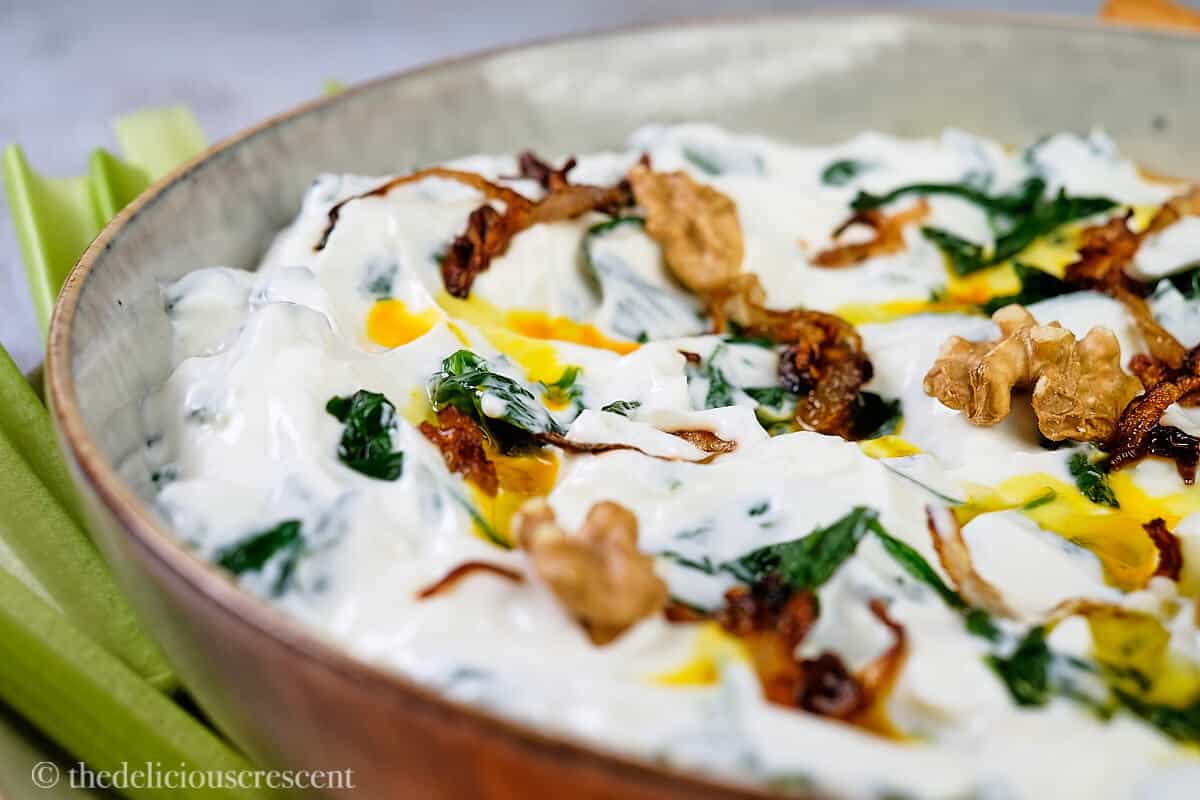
(461, 443)
(1170, 554)
(451, 578)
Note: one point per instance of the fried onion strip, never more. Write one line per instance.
(703, 440)
(888, 239)
(955, 557)
(489, 231)
(1170, 554)
(461, 443)
(454, 576)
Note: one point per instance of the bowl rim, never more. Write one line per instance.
(320, 652)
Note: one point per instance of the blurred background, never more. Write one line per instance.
(68, 68)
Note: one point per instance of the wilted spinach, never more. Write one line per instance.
(622, 407)
(251, 554)
(467, 382)
(1092, 481)
(808, 562)
(875, 416)
(842, 171)
(366, 444)
(1026, 671)
(1020, 217)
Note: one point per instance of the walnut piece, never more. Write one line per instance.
(598, 574)
(1079, 388)
(696, 226)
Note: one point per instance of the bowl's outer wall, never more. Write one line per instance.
(815, 79)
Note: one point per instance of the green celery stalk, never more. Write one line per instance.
(93, 706)
(60, 557)
(157, 140)
(21, 749)
(57, 218)
(54, 220)
(113, 183)
(12, 563)
(26, 424)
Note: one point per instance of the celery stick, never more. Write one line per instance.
(26, 423)
(54, 220)
(157, 140)
(62, 559)
(21, 749)
(114, 183)
(11, 563)
(93, 706)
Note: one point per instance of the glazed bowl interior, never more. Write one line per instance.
(814, 79)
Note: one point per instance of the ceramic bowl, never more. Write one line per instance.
(292, 699)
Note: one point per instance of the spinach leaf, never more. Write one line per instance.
(720, 161)
(756, 341)
(467, 382)
(776, 409)
(874, 416)
(1033, 673)
(809, 562)
(254, 552)
(1019, 202)
(703, 564)
(632, 306)
(1048, 497)
(1181, 724)
(607, 226)
(1092, 481)
(1045, 218)
(720, 390)
(622, 407)
(1188, 281)
(566, 389)
(366, 444)
(1023, 215)
(915, 565)
(965, 256)
(772, 396)
(1036, 286)
(978, 621)
(843, 171)
(1026, 671)
(1027, 225)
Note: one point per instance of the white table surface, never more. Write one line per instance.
(67, 68)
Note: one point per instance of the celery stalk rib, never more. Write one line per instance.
(156, 140)
(56, 218)
(96, 708)
(63, 560)
(26, 423)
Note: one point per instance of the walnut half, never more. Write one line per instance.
(1079, 388)
(598, 574)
